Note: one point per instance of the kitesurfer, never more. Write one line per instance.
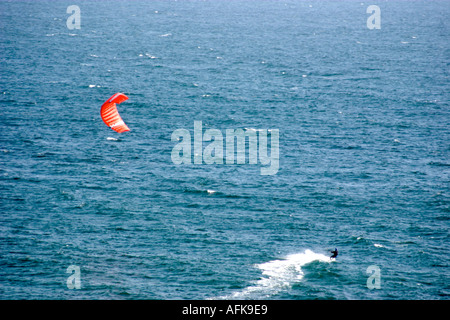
(335, 253)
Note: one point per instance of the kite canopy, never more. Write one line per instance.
(111, 116)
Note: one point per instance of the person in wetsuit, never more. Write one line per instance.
(335, 253)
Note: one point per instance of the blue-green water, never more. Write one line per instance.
(363, 119)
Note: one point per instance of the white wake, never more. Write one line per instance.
(278, 275)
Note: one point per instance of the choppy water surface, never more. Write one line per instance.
(363, 120)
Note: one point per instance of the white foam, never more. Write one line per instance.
(278, 275)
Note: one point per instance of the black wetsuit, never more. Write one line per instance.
(335, 253)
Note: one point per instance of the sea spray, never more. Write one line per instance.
(279, 275)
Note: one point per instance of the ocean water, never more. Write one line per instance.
(363, 118)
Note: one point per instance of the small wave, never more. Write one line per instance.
(216, 193)
(148, 55)
(438, 164)
(208, 191)
(278, 275)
